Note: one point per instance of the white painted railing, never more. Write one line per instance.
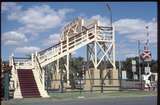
(39, 76)
(17, 90)
(39, 70)
(23, 63)
(60, 50)
(13, 72)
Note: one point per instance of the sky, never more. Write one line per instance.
(27, 27)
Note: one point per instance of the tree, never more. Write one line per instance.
(28, 56)
(127, 65)
(76, 65)
(154, 66)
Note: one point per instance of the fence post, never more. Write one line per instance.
(6, 85)
(47, 81)
(102, 85)
(120, 75)
(80, 86)
(91, 84)
(61, 81)
(102, 80)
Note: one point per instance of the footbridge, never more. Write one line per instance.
(99, 41)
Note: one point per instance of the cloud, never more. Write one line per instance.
(6, 6)
(134, 29)
(51, 40)
(13, 38)
(103, 21)
(27, 49)
(32, 20)
(39, 18)
(123, 50)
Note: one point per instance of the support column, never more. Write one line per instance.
(95, 71)
(57, 68)
(57, 75)
(67, 68)
(95, 55)
(113, 34)
(67, 65)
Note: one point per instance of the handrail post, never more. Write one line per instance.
(41, 72)
(95, 31)
(36, 53)
(43, 84)
(61, 45)
(87, 35)
(18, 65)
(32, 60)
(67, 66)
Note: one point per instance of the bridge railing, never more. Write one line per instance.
(14, 74)
(22, 62)
(39, 70)
(90, 30)
(62, 47)
(105, 33)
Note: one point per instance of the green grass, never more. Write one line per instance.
(74, 96)
(109, 94)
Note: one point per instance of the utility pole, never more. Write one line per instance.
(120, 73)
(139, 64)
(110, 11)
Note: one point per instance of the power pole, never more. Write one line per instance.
(120, 73)
(110, 11)
(139, 64)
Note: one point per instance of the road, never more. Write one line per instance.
(146, 100)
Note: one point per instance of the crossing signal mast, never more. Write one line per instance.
(146, 58)
(146, 54)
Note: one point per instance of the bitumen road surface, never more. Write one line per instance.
(146, 100)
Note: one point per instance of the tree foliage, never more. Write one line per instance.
(127, 65)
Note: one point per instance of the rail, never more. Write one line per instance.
(15, 74)
(59, 50)
(21, 62)
(40, 70)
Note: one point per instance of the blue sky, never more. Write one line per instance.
(27, 27)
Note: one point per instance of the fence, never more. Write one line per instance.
(84, 85)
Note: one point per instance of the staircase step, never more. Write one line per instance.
(34, 93)
(27, 80)
(21, 75)
(26, 76)
(31, 93)
(32, 96)
(29, 89)
(27, 83)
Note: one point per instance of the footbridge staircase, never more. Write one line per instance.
(75, 35)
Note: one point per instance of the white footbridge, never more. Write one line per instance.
(100, 42)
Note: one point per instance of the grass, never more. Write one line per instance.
(74, 96)
(109, 94)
